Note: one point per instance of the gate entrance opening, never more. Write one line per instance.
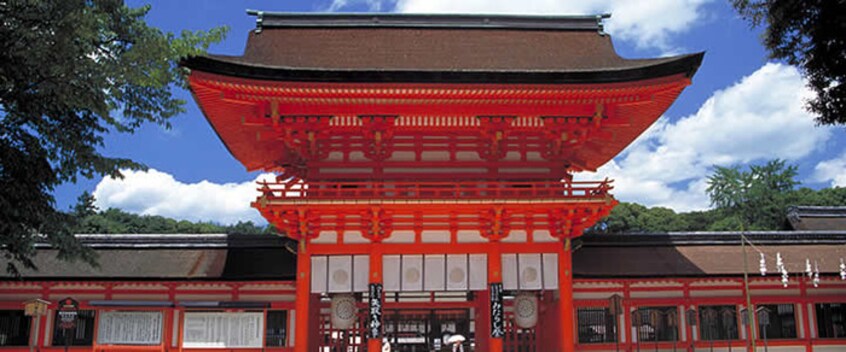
(423, 330)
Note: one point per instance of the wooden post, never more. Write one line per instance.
(374, 343)
(494, 278)
(301, 340)
(565, 300)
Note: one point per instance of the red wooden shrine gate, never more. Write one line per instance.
(430, 156)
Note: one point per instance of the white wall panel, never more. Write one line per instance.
(550, 271)
(434, 273)
(412, 273)
(361, 270)
(391, 273)
(318, 274)
(509, 271)
(530, 273)
(457, 277)
(340, 274)
(478, 271)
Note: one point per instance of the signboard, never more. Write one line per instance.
(375, 311)
(35, 307)
(615, 305)
(497, 316)
(130, 328)
(68, 312)
(223, 330)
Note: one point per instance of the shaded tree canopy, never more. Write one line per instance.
(90, 220)
(808, 34)
(70, 72)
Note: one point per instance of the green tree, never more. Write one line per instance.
(70, 72)
(757, 198)
(633, 217)
(808, 34)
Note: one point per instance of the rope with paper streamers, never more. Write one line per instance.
(813, 272)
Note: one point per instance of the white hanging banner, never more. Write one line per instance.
(130, 328)
(223, 330)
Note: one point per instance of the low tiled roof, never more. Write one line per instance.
(177, 257)
(817, 218)
(235, 257)
(690, 254)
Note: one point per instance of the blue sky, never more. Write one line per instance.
(742, 108)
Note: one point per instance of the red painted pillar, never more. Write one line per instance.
(375, 343)
(483, 319)
(565, 301)
(301, 305)
(494, 277)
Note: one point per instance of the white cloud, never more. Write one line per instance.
(647, 24)
(157, 193)
(832, 170)
(761, 117)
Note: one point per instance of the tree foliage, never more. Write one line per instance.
(756, 198)
(70, 72)
(808, 34)
(90, 220)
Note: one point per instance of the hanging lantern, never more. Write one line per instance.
(842, 270)
(816, 274)
(344, 311)
(526, 310)
(763, 265)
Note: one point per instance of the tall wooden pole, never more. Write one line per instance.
(565, 300)
(749, 309)
(301, 305)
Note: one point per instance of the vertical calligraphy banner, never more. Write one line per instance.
(375, 322)
(497, 316)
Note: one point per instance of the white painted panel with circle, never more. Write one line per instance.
(550, 271)
(391, 273)
(478, 271)
(457, 278)
(530, 274)
(340, 275)
(412, 273)
(361, 270)
(344, 311)
(526, 310)
(434, 273)
(509, 271)
(318, 274)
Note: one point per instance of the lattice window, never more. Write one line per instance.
(831, 320)
(81, 335)
(781, 322)
(656, 323)
(718, 323)
(14, 328)
(276, 329)
(596, 325)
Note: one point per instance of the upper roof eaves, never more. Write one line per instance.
(266, 19)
